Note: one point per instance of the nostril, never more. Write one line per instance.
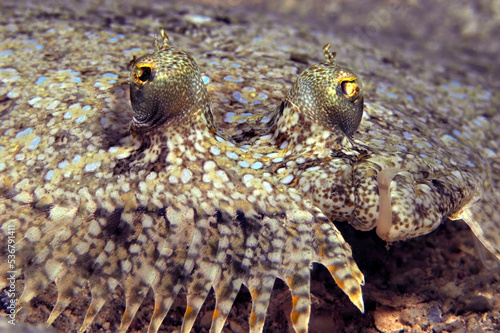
(384, 222)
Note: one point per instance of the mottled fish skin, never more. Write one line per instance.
(173, 205)
(400, 194)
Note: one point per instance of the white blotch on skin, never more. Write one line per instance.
(186, 176)
(215, 151)
(209, 166)
(287, 180)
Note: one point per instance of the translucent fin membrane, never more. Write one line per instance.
(483, 217)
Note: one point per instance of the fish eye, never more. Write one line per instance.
(350, 89)
(142, 74)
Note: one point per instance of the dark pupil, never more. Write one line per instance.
(145, 73)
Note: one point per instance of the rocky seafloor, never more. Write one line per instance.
(55, 53)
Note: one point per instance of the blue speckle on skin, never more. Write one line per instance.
(265, 119)
(232, 155)
(401, 147)
(446, 136)
(228, 118)
(392, 95)
(459, 96)
(257, 39)
(484, 95)
(77, 80)
(24, 132)
(243, 164)
(49, 175)
(41, 80)
(39, 47)
(30, 41)
(407, 135)
(205, 79)
(246, 114)
(34, 100)
(488, 150)
(213, 63)
(455, 83)
(5, 53)
(68, 115)
(62, 164)
(249, 89)
(112, 81)
(76, 159)
(424, 156)
(418, 145)
(34, 143)
(224, 100)
(410, 98)
(381, 90)
(437, 161)
(256, 102)
(236, 64)
(97, 84)
(409, 122)
(457, 133)
(445, 86)
(262, 96)
(110, 75)
(113, 39)
(218, 138)
(257, 165)
(232, 78)
(86, 108)
(469, 163)
(135, 49)
(81, 119)
(480, 121)
(377, 140)
(92, 166)
(278, 160)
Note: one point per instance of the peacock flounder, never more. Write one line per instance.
(180, 201)
(402, 194)
(173, 205)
